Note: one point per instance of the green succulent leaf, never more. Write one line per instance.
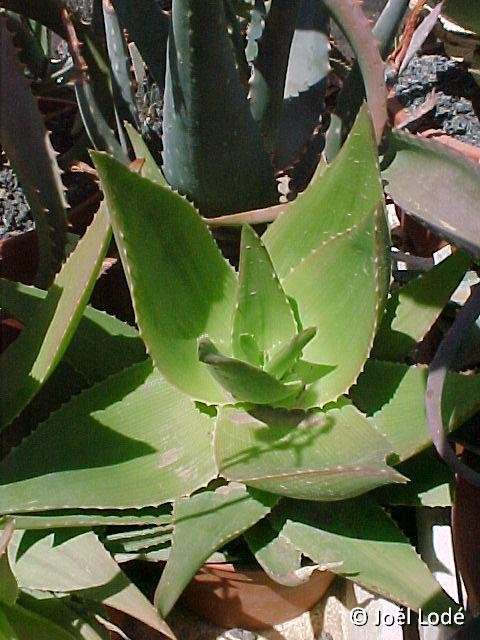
(411, 311)
(221, 516)
(204, 120)
(354, 263)
(181, 286)
(263, 311)
(431, 483)
(102, 344)
(358, 535)
(147, 445)
(244, 381)
(437, 186)
(91, 518)
(8, 583)
(18, 623)
(286, 356)
(305, 86)
(26, 142)
(347, 191)
(68, 613)
(75, 560)
(465, 13)
(278, 557)
(394, 395)
(28, 362)
(328, 455)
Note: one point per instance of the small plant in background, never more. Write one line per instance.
(278, 402)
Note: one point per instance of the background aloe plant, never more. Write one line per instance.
(265, 393)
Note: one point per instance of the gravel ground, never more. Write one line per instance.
(457, 95)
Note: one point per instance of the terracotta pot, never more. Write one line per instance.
(248, 598)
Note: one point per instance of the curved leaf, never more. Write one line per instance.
(368, 547)
(394, 395)
(181, 286)
(353, 22)
(244, 381)
(77, 561)
(411, 311)
(340, 288)
(328, 455)
(102, 344)
(331, 204)
(437, 186)
(221, 516)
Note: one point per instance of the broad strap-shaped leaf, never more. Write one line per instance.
(65, 561)
(218, 517)
(370, 547)
(102, 344)
(244, 381)
(411, 311)
(181, 286)
(28, 362)
(213, 150)
(277, 556)
(394, 395)
(340, 288)
(26, 142)
(262, 311)
(136, 442)
(347, 191)
(437, 186)
(328, 455)
(150, 169)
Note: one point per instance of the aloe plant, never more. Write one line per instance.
(258, 402)
(268, 391)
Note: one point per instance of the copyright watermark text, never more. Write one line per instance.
(360, 616)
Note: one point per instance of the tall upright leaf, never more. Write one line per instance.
(180, 285)
(348, 190)
(263, 312)
(213, 151)
(340, 288)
